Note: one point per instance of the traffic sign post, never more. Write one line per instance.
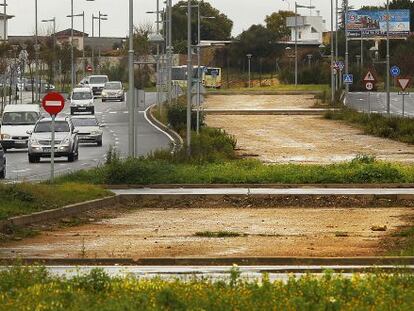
(404, 83)
(53, 103)
(369, 82)
(348, 79)
(395, 71)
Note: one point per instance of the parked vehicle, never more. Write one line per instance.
(66, 140)
(2, 163)
(43, 86)
(16, 121)
(90, 131)
(81, 100)
(113, 91)
(96, 83)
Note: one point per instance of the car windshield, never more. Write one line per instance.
(20, 118)
(113, 86)
(84, 122)
(82, 95)
(46, 127)
(98, 80)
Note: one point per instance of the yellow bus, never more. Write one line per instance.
(210, 77)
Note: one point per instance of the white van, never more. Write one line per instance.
(96, 83)
(15, 122)
(81, 100)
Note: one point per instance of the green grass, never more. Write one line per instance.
(278, 88)
(406, 247)
(218, 234)
(396, 128)
(25, 198)
(154, 171)
(35, 289)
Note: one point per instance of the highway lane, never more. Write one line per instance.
(114, 115)
(360, 102)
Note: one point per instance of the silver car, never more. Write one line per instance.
(66, 140)
(90, 131)
(113, 91)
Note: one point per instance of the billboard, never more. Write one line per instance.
(373, 24)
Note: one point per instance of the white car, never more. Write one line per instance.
(96, 83)
(16, 121)
(90, 131)
(113, 91)
(81, 100)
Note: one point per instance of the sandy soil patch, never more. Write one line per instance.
(306, 139)
(259, 101)
(153, 232)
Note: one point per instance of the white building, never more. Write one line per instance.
(310, 29)
(4, 23)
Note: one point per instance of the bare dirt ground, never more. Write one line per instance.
(259, 101)
(306, 139)
(156, 232)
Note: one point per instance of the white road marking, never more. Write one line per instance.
(156, 127)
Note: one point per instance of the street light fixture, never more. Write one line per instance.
(83, 37)
(99, 18)
(298, 6)
(4, 5)
(53, 21)
(249, 57)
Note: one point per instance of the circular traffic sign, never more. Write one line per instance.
(89, 68)
(395, 71)
(369, 86)
(53, 103)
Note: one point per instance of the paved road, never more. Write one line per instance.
(282, 273)
(270, 191)
(378, 100)
(115, 117)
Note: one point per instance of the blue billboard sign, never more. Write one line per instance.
(373, 24)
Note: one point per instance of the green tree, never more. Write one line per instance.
(276, 23)
(218, 28)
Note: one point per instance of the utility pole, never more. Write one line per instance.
(189, 77)
(5, 21)
(170, 52)
(131, 101)
(53, 21)
(36, 47)
(388, 60)
(198, 68)
(333, 84)
(346, 46)
(249, 60)
(72, 57)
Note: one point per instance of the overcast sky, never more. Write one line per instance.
(243, 12)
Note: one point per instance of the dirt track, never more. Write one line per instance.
(299, 139)
(151, 232)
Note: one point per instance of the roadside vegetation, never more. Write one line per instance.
(26, 198)
(396, 128)
(23, 288)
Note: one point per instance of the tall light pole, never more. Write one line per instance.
(37, 48)
(189, 77)
(4, 4)
(333, 84)
(346, 46)
(297, 6)
(169, 51)
(53, 21)
(101, 17)
(83, 37)
(131, 102)
(249, 60)
(388, 59)
(72, 57)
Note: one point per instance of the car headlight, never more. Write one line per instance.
(120, 92)
(96, 132)
(104, 93)
(5, 136)
(66, 141)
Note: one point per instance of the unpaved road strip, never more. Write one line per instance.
(164, 232)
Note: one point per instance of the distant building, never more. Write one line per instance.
(310, 29)
(65, 36)
(4, 18)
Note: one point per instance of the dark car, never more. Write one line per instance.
(2, 163)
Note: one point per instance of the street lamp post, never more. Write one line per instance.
(4, 5)
(169, 51)
(297, 6)
(189, 76)
(53, 21)
(36, 47)
(346, 45)
(333, 84)
(83, 37)
(249, 58)
(131, 127)
(388, 59)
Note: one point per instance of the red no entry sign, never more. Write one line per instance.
(53, 103)
(89, 68)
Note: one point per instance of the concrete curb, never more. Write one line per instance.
(258, 186)
(283, 112)
(177, 139)
(66, 211)
(240, 261)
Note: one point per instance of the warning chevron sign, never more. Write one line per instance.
(369, 77)
(404, 83)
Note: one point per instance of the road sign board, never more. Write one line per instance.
(369, 77)
(340, 65)
(369, 86)
(404, 83)
(348, 78)
(89, 68)
(395, 71)
(53, 103)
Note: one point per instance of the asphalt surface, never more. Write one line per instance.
(282, 273)
(114, 115)
(362, 101)
(269, 191)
